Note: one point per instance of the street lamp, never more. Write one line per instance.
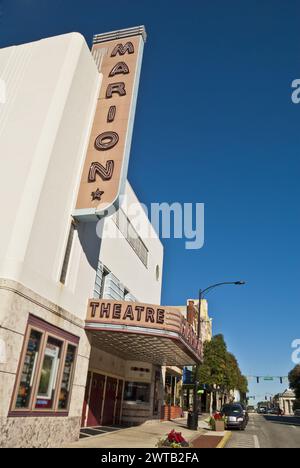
(193, 417)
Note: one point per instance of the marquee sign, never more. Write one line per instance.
(119, 58)
(143, 318)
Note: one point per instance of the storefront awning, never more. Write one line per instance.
(143, 332)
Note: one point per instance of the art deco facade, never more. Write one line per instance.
(83, 338)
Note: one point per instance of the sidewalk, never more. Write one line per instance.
(148, 434)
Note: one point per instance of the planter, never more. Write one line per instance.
(171, 412)
(219, 426)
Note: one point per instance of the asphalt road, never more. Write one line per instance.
(268, 432)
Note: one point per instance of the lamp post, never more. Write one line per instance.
(193, 417)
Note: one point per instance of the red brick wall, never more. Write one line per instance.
(171, 412)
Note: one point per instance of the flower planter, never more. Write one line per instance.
(219, 426)
(217, 422)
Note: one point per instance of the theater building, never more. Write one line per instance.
(84, 340)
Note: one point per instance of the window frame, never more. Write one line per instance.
(47, 331)
(135, 241)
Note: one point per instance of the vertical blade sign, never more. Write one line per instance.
(105, 168)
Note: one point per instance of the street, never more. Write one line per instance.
(266, 431)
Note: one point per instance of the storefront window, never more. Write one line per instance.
(67, 378)
(48, 378)
(28, 370)
(137, 392)
(44, 381)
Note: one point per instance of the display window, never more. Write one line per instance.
(48, 375)
(65, 388)
(46, 370)
(137, 392)
(28, 370)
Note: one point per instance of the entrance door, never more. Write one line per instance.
(110, 400)
(96, 400)
(86, 399)
(119, 402)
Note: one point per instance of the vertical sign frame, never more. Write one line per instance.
(119, 56)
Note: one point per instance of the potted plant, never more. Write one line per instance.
(218, 422)
(173, 440)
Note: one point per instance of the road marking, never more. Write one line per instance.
(243, 440)
(256, 442)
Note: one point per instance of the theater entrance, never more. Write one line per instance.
(103, 400)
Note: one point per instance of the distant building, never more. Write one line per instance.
(191, 312)
(286, 401)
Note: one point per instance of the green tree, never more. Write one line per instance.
(221, 368)
(213, 371)
(294, 379)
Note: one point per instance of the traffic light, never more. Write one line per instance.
(281, 380)
(257, 379)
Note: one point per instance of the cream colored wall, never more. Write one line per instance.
(107, 364)
(52, 88)
(118, 256)
(114, 366)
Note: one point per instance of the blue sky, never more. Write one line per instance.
(215, 124)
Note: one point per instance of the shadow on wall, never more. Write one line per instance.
(90, 242)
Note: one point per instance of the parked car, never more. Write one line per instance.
(262, 410)
(251, 409)
(235, 417)
(246, 414)
(297, 412)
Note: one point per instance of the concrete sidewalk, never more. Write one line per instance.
(144, 436)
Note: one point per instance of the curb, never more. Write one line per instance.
(225, 440)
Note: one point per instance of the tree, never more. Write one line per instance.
(243, 387)
(294, 379)
(213, 370)
(221, 369)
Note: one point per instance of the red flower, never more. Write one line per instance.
(217, 416)
(176, 437)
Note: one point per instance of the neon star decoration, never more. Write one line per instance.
(97, 195)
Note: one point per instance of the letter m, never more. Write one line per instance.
(123, 49)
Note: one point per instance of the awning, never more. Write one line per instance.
(143, 332)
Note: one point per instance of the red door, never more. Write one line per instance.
(109, 402)
(119, 402)
(96, 400)
(86, 399)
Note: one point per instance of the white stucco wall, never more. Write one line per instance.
(52, 87)
(119, 257)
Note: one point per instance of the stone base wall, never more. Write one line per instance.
(135, 415)
(41, 432)
(16, 302)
